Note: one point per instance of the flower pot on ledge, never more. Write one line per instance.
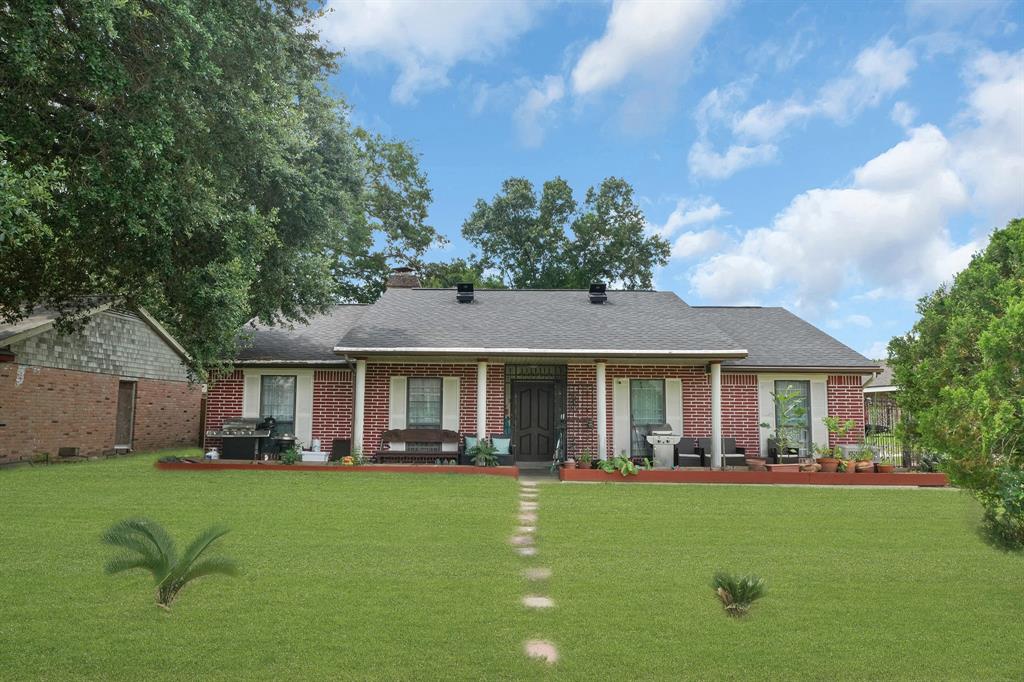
(828, 464)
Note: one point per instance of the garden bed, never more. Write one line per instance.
(911, 478)
(221, 465)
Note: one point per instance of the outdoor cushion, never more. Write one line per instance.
(501, 445)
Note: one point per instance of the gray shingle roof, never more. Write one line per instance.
(313, 342)
(775, 337)
(883, 380)
(538, 320)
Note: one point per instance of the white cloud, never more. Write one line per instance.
(644, 38)
(852, 320)
(533, 113)
(887, 229)
(878, 71)
(903, 114)
(423, 39)
(690, 212)
(705, 162)
(692, 244)
(879, 350)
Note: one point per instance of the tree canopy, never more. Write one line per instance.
(961, 370)
(551, 241)
(189, 157)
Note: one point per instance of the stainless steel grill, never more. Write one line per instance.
(241, 428)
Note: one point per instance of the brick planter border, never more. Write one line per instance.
(510, 471)
(924, 480)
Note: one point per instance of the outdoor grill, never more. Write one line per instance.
(243, 438)
(664, 442)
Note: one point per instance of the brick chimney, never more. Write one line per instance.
(403, 278)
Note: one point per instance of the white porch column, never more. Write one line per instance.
(716, 414)
(358, 410)
(481, 399)
(602, 413)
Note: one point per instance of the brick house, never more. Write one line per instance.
(550, 369)
(118, 384)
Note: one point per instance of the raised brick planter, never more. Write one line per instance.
(221, 465)
(924, 480)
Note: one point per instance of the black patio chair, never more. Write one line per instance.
(687, 454)
(731, 455)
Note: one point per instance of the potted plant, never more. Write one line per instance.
(570, 462)
(585, 460)
(483, 454)
(865, 458)
(826, 458)
(885, 468)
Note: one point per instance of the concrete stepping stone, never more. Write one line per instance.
(526, 530)
(527, 495)
(534, 602)
(528, 517)
(537, 573)
(541, 650)
(528, 506)
(527, 551)
(521, 540)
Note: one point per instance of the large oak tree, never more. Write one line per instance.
(188, 156)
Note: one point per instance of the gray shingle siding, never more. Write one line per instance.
(112, 342)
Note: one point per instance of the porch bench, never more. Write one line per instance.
(428, 446)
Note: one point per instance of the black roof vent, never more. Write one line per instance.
(597, 293)
(464, 292)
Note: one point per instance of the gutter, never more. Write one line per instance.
(818, 369)
(574, 352)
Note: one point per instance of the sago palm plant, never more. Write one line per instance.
(737, 594)
(149, 546)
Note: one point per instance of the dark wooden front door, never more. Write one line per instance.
(125, 413)
(533, 430)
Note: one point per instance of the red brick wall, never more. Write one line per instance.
(378, 394)
(696, 395)
(166, 414)
(846, 401)
(740, 413)
(332, 405)
(581, 409)
(55, 408)
(223, 401)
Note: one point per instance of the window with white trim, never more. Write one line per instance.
(424, 403)
(277, 400)
(646, 411)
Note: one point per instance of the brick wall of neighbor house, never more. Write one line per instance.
(846, 401)
(47, 408)
(696, 395)
(332, 405)
(223, 401)
(378, 394)
(740, 414)
(581, 409)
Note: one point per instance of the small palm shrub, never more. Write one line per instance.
(738, 593)
(149, 546)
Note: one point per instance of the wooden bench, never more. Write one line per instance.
(428, 446)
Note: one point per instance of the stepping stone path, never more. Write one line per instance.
(537, 602)
(541, 650)
(537, 649)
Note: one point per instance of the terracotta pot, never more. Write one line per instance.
(756, 463)
(851, 467)
(885, 468)
(828, 464)
(865, 466)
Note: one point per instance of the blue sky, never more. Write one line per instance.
(839, 159)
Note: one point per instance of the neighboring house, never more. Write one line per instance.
(880, 401)
(118, 384)
(548, 367)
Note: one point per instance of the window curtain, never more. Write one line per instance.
(646, 410)
(277, 400)
(424, 403)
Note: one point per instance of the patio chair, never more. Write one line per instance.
(687, 454)
(502, 445)
(465, 456)
(731, 455)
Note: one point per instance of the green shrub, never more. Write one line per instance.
(483, 454)
(290, 455)
(621, 463)
(738, 593)
(1003, 520)
(149, 546)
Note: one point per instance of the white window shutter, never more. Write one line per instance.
(397, 402)
(674, 404)
(620, 417)
(450, 404)
(819, 410)
(766, 410)
(251, 396)
(304, 408)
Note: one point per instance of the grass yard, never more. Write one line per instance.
(374, 576)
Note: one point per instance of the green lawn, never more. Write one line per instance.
(374, 576)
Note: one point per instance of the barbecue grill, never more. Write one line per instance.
(243, 438)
